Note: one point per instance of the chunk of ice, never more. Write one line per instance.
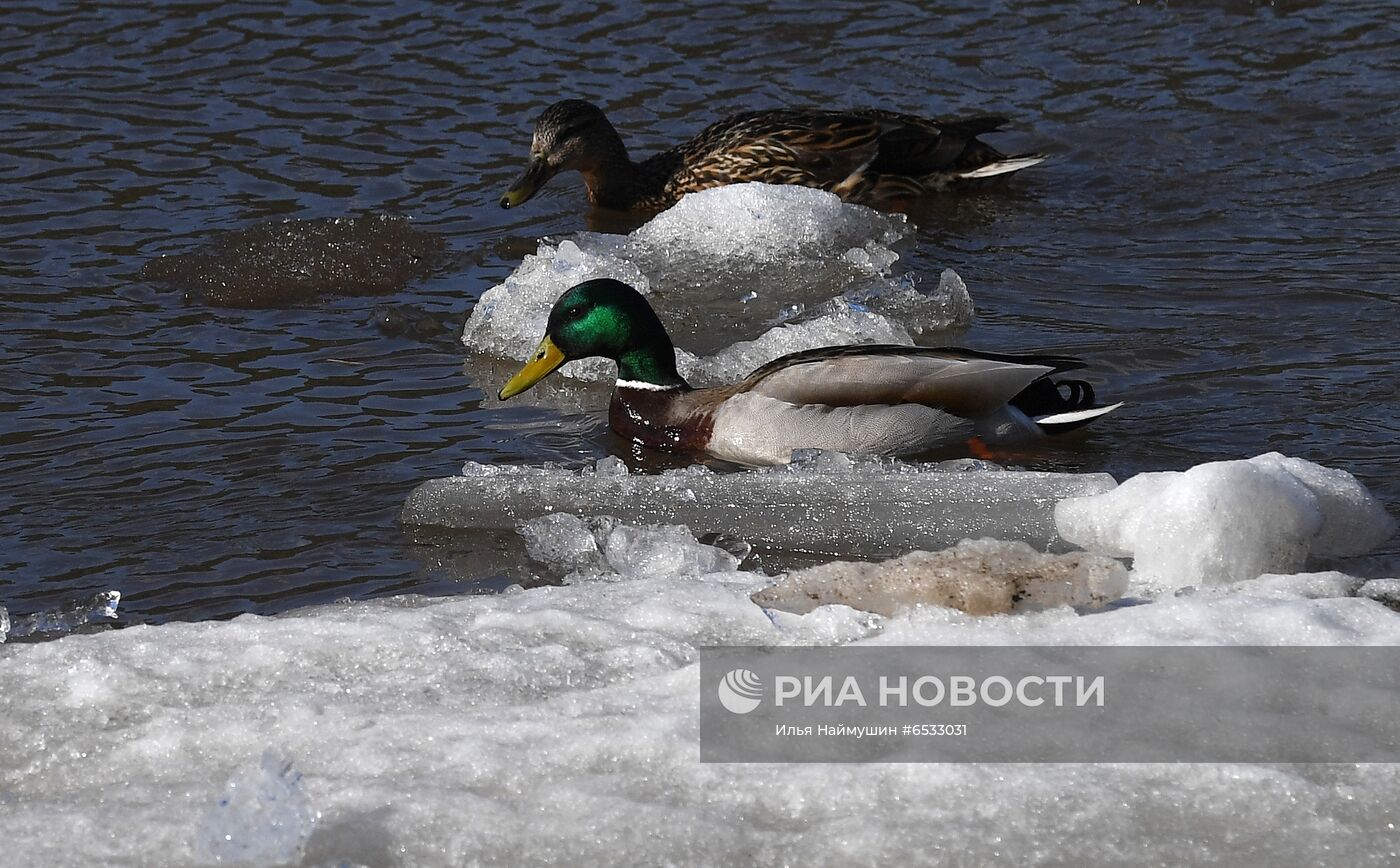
(722, 251)
(769, 222)
(865, 508)
(562, 542)
(1353, 522)
(639, 551)
(64, 619)
(263, 817)
(979, 577)
(1383, 591)
(602, 545)
(947, 307)
(1227, 521)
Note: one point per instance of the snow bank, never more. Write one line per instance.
(826, 503)
(1227, 521)
(559, 726)
(980, 577)
(749, 256)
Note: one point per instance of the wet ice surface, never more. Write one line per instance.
(827, 504)
(787, 267)
(559, 725)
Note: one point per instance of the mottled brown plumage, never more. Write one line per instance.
(878, 158)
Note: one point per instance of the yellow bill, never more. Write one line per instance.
(542, 364)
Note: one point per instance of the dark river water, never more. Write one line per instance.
(1217, 232)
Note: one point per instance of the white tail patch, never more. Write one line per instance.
(1002, 167)
(1076, 415)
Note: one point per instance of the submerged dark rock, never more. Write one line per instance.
(291, 262)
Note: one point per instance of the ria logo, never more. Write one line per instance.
(740, 691)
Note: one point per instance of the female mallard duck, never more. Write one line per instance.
(876, 399)
(882, 159)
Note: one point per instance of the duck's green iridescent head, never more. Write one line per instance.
(607, 318)
(569, 135)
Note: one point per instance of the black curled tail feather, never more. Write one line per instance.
(1057, 406)
(1046, 397)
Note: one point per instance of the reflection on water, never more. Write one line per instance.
(1213, 233)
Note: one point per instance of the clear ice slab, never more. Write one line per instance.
(829, 505)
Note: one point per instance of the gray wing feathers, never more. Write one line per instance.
(967, 387)
(756, 429)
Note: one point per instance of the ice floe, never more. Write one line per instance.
(823, 503)
(1226, 521)
(787, 268)
(559, 725)
(980, 577)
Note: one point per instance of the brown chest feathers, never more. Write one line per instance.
(667, 420)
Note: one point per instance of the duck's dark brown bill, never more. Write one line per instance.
(534, 177)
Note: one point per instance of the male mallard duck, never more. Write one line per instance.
(876, 399)
(877, 158)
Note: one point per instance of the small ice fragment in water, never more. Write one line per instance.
(748, 296)
(64, 619)
(602, 545)
(611, 466)
(263, 817)
(641, 551)
(1227, 521)
(561, 541)
(980, 577)
(474, 468)
(791, 312)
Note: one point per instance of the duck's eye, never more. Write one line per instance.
(572, 131)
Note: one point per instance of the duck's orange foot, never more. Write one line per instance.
(980, 449)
